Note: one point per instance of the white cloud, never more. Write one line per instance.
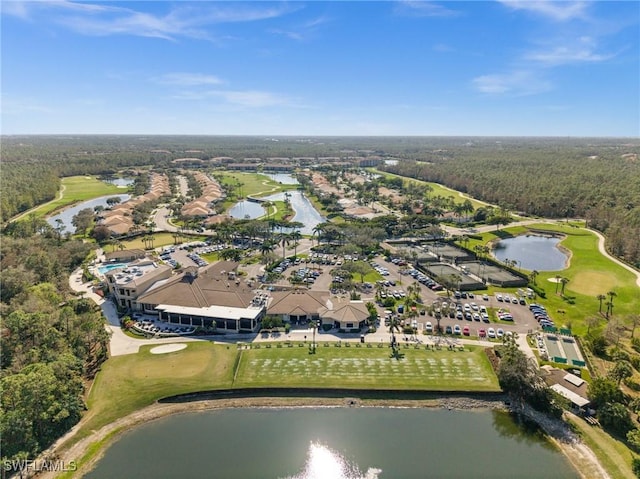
(180, 20)
(303, 31)
(556, 10)
(243, 98)
(188, 79)
(582, 51)
(515, 83)
(421, 8)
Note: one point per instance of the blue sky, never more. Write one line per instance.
(508, 67)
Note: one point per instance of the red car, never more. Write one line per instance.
(465, 331)
(482, 333)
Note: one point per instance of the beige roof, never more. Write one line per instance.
(297, 302)
(352, 312)
(211, 286)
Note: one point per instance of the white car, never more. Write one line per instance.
(500, 332)
(428, 327)
(491, 333)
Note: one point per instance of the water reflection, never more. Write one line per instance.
(283, 178)
(246, 210)
(532, 252)
(305, 212)
(520, 429)
(323, 463)
(67, 215)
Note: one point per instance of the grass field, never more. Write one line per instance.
(130, 382)
(76, 189)
(438, 190)
(342, 367)
(159, 240)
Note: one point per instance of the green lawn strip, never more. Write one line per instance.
(252, 183)
(614, 456)
(131, 382)
(364, 367)
(437, 189)
(159, 240)
(76, 189)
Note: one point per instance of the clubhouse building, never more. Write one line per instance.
(216, 297)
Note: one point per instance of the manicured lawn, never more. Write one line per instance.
(127, 383)
(437, 190)
(160, 239)
(76, 189)
(364, 367)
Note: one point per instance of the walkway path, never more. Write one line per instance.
(31, 210)
(603, 251)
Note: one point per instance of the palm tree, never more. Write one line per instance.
(600, 298)
(534, 274)
(265, 248)
(564, 282)
(611, 294)
(285, 240)
(609, 311)
(557, 283)
(394, 325)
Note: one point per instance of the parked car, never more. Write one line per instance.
(428, 327)
(491, 333)
(466, 331)
(482, 333)
(457, 330)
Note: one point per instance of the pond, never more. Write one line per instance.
(334, 443)
(67, 215)
(283, 178)
(246, 209)
(121, 182)
(532, 252)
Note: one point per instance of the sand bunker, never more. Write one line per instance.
(168, 348)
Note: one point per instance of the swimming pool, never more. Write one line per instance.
(108, 267)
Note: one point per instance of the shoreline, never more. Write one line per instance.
(90, 449)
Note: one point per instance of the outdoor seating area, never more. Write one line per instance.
(159, 328)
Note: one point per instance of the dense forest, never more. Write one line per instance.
(600, 183)
(51, 342)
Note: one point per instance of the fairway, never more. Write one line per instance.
(593, 283)
(353, 367)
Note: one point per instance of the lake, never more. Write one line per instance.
(532, 252)
(333, 443)
(67, 215)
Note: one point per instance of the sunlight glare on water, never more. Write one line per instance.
(323, 463)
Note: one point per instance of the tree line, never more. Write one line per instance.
(600, 184)
(51, 342)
